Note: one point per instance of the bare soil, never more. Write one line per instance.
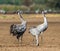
(51, 37)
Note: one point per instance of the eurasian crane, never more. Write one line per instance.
(36, 31)
(19, 29)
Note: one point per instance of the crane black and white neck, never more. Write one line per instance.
(44, 25)
(20, 16)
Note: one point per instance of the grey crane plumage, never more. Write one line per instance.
(19, 29)
(36, 31)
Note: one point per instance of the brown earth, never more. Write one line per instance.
(51, 37)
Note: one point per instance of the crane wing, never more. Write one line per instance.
(20, 28)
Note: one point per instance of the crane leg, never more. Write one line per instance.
(17, 38)
(21, 39)
(42, 37)
(34, 40)
(37, 43)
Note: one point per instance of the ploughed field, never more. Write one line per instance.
(51, 37)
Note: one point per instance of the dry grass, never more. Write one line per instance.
(28, 17)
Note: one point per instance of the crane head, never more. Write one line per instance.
(19, 12)
(44, 11)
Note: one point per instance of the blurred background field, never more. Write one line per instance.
(30, 5)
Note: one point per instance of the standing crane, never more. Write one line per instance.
(36, 31)
(19, 29)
